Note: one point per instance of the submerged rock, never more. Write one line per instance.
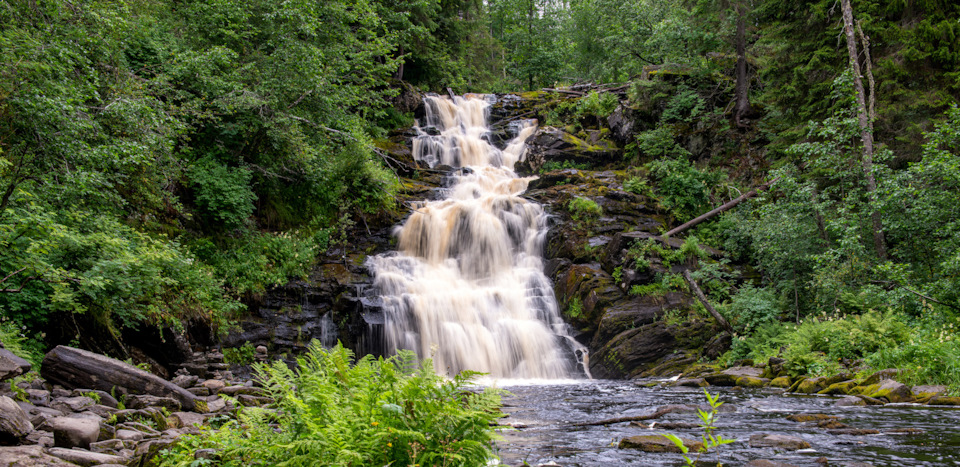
(789, 443)
(657, 443)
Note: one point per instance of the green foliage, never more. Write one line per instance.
(637, 185)
(243, 355)
(656, 144)
(223, 194)
(708, 419)
(664, 283)
(681, 188)
(752, 308)
(574, 308)
(14, 338)
(584, 209)
(549, 166)
(599, 105)
(686, 106)
(369, 412)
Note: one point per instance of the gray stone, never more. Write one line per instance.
(111, 446)
(129, 435)
(199, 391)
(29, 456)
(184, 419)
(850, 401)
(789, 443)
(74, 432)
(86, 458)
(214, 385)
(38, 397)
(929, 390)
(14, 423)
(11, 365)
(146, 400)
(766, 463)
(72, 404)
(39, 415)
(185, 381)
(101, 397)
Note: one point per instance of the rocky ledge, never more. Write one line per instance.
(88, 409)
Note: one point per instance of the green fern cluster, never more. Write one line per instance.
(336, 412)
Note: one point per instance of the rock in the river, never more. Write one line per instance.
(766, 463)
(789, 443)
(888, 390)
(944, 400)
(889, 373)
(74, 432)
(657, 443)
(923, 392)
(14, 423)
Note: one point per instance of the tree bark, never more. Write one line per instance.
(866, 126)
(742, 108)
(76, 368)
(703, 299)
(729, 205)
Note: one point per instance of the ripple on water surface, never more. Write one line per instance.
(546, 412)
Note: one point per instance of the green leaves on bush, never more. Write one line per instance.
(391, 411)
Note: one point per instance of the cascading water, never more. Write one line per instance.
(467, 286)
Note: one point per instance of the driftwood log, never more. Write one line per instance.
(75, 368)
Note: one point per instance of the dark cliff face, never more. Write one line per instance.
(592, 256)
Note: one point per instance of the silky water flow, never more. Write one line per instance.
(466, 286)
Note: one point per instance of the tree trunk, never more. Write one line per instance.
(76, 368)
(742, 108)
(703, 299)
(729, 205)
(866, 126)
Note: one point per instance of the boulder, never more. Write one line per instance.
(766, 463)
(925, 391)
(811, 417)
(147, 400)
(76, 368)
(850, 401)
(944, 400)
(86, 458)
(74, 432)
(889, 373)
(186, 419)
(780, 382)
(14, 423)
(657, 443)
(72, 404)
(789, 443)
(28, 456)
(889, 390)
(11, 365)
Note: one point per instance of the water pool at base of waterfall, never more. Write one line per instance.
(545, 415)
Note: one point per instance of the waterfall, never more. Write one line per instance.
(466, 286)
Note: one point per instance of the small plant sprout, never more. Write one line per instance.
(708, 418)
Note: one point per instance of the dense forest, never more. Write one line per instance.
(164, 161)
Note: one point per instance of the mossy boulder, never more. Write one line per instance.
(789, 443)
(752, 382)
(810, 385)
(780, 382)
(887, 390)
(945, 400)
(839, 389)
(811, 417)
(889, 373)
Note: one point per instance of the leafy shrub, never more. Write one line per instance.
(931, 355)
(223, 194)
(390, 411)
(637, 185)
(597, 104)
(681, 188)
(685, 106)
(243, 355)
(13, 338)
(655, 144)
(549, 166)
(584, 209)
(575, 308)
(751, 308)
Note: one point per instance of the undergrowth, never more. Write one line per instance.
(386, 411)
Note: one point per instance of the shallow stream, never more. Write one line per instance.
(545, 415)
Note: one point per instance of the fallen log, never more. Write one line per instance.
(703, 299)
(725, 207)
(81, 369)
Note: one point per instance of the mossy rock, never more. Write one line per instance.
(810, 385)
(796, 384)
(839, 389)
(721, 379)
(887, 390)
(657, 443)
(945, 400)
(889, 373)
(751, 382)
(780, 382)
(811, 417)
